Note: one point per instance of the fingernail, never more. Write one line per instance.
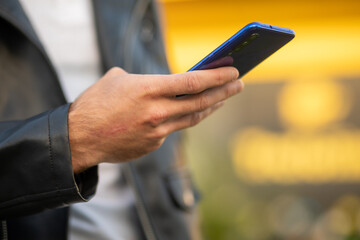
(239, 86)
(235, 74)
(242, 84)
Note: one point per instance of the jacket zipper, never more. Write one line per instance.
(4, 235)
(140, 203)
(136, 18)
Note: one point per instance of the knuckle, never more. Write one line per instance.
(219, 77)
(226, 75)
(115, 70)
(156, 117)
(203, 102)
(195, 119)
(160, 133)
(157, 144)
(193, 82)
(155, 139)
(228, 91)
(147, 90)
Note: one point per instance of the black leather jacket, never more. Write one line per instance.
(36, 178)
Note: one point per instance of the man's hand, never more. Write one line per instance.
(125, 116)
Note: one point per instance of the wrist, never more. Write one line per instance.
(83, 155)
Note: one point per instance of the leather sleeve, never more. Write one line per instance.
(35, 166)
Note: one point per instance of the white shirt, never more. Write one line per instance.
(67, 31)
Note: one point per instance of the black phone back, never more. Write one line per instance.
(247, 48)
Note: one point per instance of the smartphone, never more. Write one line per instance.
(247, 48)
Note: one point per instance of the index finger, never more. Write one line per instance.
(198, 81)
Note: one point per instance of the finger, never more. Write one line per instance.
(202, 101)
(115, 71)
(222, 62)
(190, 119)
(198, 81)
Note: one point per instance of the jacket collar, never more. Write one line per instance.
(12, 12)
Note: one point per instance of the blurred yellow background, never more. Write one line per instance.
(282, 159)
(326, 43)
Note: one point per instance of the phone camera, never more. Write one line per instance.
(253, 36)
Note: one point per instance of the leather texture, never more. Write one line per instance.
(35, 160)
